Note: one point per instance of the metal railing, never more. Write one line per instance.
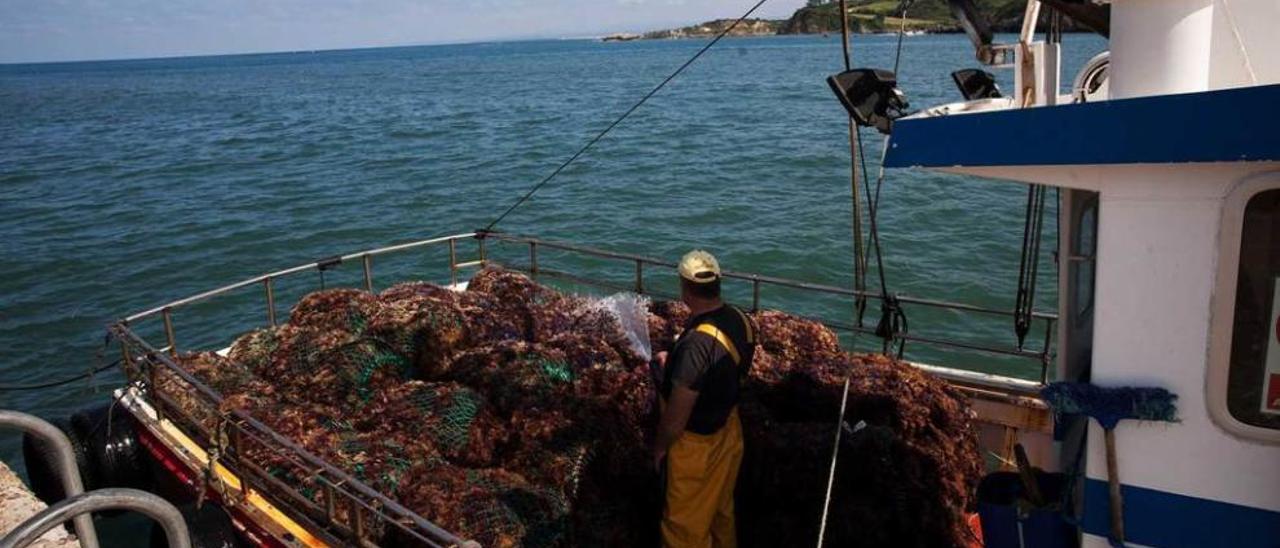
(1042, 355)
(81, 505)
(65, 465)
(346, 509)
(346, 506)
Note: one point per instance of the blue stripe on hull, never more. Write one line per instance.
(1229, 125)
(1160, 518)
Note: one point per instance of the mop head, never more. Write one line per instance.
(1111, 405)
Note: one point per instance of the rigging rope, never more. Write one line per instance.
(51, 384)
(1032, 230)
(106, 342)
(1029, 267)
(619, 120)
(855, 151)
(897, 63)
(902, 31)
(893, 319)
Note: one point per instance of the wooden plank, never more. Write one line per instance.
(1013, 415)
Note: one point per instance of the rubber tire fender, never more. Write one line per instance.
(112, 448)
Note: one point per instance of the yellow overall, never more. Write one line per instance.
(701, 473)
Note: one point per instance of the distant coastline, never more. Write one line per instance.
(865, 17)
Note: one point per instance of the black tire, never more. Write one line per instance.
(210, 527)
(41, 463)
(112, 448)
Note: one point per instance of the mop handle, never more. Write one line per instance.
(1113, 486)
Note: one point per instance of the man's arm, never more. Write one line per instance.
(688, 366)
(675, 415)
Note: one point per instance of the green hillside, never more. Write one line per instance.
(865, 16)
(884, 15)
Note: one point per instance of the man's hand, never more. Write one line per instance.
(657, 368)
(675, 415)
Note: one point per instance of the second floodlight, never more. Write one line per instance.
(976, 84)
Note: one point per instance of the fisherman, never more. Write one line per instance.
(699, 434)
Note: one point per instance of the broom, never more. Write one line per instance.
(1109, 406)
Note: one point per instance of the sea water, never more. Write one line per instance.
(127, 184)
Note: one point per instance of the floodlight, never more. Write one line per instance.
(976, 84)
(871, 96)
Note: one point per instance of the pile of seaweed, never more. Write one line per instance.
(516, 415)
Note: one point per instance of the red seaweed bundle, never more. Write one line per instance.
(423, 322)
(335, 309)
(455, 420)
(907, 473)
(516, 415)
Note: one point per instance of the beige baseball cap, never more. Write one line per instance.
(699, 267)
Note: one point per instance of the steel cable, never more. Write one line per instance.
(835, 457)
(619, 120)
(51, 384)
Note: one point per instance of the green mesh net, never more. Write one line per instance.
(472, 408)
(452, 421)
(518, 416)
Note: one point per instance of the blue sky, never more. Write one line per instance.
(61, 30)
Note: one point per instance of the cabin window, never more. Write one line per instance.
(1253, 376)
(1083, 250)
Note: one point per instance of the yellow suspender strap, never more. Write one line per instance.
(719, 335)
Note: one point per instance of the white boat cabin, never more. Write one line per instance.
(1168, 163)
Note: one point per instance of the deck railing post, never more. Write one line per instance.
(357, 524)
(330, 506)
(481, 251)
(237, 442)
(1044, 356)
(126, 358)
(271, 301)
(639, 277)
(168, 331)
(755, 293)
(533, 259)
(368, 272)
(153, 378)
(453, 261)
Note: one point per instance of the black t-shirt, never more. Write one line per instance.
(703, 363)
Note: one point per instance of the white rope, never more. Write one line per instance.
(835, 454)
